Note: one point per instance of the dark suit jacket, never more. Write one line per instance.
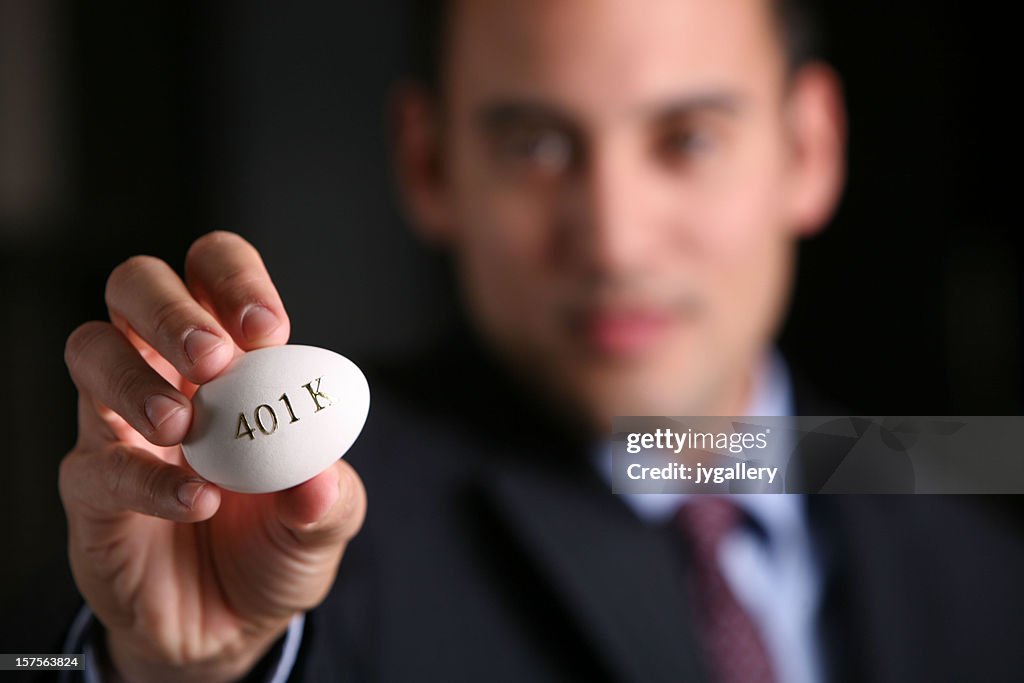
(492, 551)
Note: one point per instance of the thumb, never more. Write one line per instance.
(326, 511)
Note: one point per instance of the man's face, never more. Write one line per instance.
(618, 180)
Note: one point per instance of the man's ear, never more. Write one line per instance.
(416, 136)
(818, 134)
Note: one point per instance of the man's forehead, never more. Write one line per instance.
(595, 53)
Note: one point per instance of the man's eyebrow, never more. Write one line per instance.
(497, 115)
(710, 102)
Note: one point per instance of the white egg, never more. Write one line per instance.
(276, 417)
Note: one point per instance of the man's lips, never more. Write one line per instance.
(624, 332)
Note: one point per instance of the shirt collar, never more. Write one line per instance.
(777, 514)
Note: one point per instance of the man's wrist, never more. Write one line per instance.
(123, 661)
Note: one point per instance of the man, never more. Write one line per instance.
(622, 185)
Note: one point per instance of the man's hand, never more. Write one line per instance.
(191, 582)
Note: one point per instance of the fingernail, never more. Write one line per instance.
(200, 343)
(258, 322)
(189, 492)
(160, 408)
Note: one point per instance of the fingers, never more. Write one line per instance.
(227, 274)
(104, 365)
(121, 478)
(146, 295)
(326, 509)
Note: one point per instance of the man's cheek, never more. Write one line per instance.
(507, 270)
(740, 233)
(758, 288)
(515, 222)
(742, 219)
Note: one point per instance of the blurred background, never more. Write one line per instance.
(130, 128)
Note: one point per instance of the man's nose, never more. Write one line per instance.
(610, 218)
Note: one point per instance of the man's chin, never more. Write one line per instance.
(590, 389)
(601, 397)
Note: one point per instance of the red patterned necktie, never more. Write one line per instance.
(732, 644)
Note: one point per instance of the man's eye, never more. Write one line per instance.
(685, 143)
(546, 150)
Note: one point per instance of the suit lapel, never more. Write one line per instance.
(877, 601)
(619, 580)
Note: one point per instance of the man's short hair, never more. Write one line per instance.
(798, 24)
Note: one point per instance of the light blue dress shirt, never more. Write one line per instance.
(776, 577)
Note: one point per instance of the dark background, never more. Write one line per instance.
(131, 128)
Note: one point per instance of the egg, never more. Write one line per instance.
(276, 417)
